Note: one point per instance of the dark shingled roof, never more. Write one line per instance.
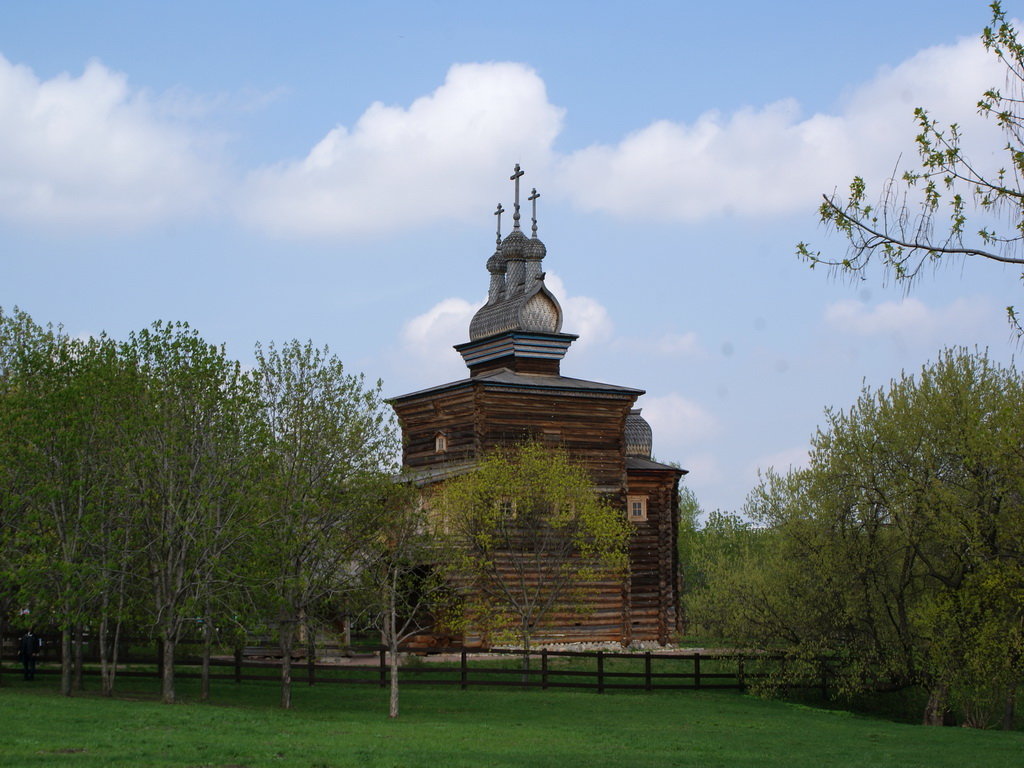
(503, 377)
(635, 462)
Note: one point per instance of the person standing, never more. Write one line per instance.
(27, 650)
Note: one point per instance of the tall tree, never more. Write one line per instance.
(188, 462)
(404, 586)
(59, 421)
(951, 206)
(529, 533)
(331, 452)
(899, 551)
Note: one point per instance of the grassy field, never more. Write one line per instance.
(334, 725)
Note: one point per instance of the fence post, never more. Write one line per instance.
(824, 678)
(741, 674)
(311, 668)
(463, 672)
(383, 668)
(238, 663)
(647, 671)
(600, 671)
(543, 668)
(696, 671)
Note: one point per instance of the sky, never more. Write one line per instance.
(328, 171)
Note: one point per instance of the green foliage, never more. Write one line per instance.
(950, 206)
(152, 482)
(529, 533)
(899, 552)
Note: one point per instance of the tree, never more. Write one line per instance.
(188, 459)
(404, 585)
(330, 452)
(899, 551)
(57, 431)
(950, 206)
(529, 533)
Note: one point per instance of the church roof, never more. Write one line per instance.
(640, 463)
(503, 377)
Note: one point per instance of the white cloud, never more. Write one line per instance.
(401, 167)
(910, 319)
(705, 472)
(427, 339)
(780, 461)
(676, 421)
(764, 161)
(90, 150)
(672, 344)
(581, 315)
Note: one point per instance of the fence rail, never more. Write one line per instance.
(600, 671)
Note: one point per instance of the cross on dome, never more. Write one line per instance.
(534, 194)
(498, 213)
(516, 175)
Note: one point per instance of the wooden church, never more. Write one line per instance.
(514, 392)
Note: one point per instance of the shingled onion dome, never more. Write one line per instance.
(513, 251)
(496, 267)
(517, 299)
(638, 435)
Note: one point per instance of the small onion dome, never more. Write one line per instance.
(514, 245)
(638, 435)
(496, 264)
(535, 250)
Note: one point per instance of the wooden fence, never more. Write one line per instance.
(600, 671)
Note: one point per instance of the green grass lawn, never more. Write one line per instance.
(346, 725)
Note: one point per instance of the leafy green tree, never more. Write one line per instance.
(529, 533)
(899, 551)
(330, 454)
(56, 437)
(188, 462)
(403, 586)
(951, 206)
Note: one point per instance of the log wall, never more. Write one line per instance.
(476, 418)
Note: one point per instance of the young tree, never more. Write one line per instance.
(188, 457)
(529, 533)
(404, 585)
(899, 551)
(951, 206)
(330, 454)
(58, 423)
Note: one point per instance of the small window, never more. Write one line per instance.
(440, 442)
(507, 509)
(637, 508)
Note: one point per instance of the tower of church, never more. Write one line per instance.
(515, 392)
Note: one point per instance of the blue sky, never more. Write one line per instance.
(269, 171)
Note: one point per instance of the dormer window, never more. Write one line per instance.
(636, 508)
(440, 443)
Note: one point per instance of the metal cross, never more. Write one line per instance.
(515, 177)
(534, 194)
(498, 214)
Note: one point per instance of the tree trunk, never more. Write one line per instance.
(392, 640)
(76, 680)
(3, 630)
(286, 633)
(66, 660)
(167, 671)
(526, 652)
(106, 668)
(1010, 709)
(936, 711)
(204, 686)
